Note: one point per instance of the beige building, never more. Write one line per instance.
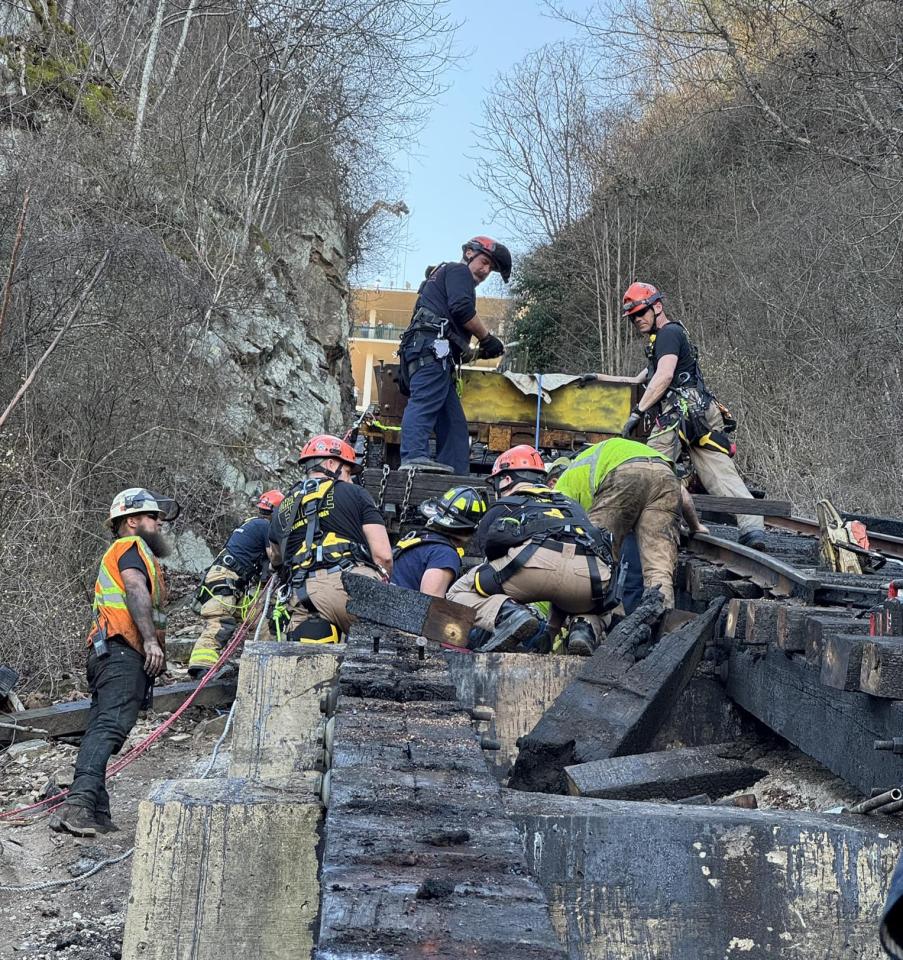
(380, 317)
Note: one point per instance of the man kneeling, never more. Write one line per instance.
(539, 545)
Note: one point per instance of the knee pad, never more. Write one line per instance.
(486, 581)
(315, 630)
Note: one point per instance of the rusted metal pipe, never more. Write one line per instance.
(867, 806)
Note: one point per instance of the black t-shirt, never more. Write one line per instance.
(672, 340)
(131, 560)
(450, 292)
(344, 510)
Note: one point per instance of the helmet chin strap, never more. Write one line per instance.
(320, 467)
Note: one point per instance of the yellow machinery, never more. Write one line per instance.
(500, 416)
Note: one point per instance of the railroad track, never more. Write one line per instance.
(883, 542)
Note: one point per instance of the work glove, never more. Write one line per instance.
(632, 421)
(588, 378)
(491, 347)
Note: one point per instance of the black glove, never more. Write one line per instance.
(588, 378)
(491, 347)
(632, 421)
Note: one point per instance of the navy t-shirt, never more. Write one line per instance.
(450, 291)
(247, 544)
(411, 564)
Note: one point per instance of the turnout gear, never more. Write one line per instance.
(497, 252)
(639, 297)
(138, 500)
(111, 614)
(325, 446)
(270, 500)
(459, 508)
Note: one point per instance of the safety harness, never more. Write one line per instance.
(417, 537)
(550, 520)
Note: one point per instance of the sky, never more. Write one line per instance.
(445, 208)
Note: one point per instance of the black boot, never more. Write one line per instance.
(514, 624)
(581, 641)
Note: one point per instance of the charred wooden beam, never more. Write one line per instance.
(841, 661)
(408, 610)
(68, 719)
(614, 707)
(669, 774)
(818, 629)
(836, 728)
(882, 667)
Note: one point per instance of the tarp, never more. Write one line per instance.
(528, 384)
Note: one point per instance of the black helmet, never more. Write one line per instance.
(498, 253)
(460, 508)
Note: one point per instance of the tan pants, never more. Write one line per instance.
(643, 496)
(220, 613)
(716, 471)
(328, 597)
(561, 578)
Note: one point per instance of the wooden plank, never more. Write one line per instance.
(791, 625)
(819, 628)
(651, 880)
(614, 707)
(841, 661)
(836, 728)
(735, 620)
(70, 719)
(409, 610)
(670, 774)
(882, 667)
(742, 505)
(761, 622)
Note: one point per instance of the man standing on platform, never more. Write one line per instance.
(445, 318)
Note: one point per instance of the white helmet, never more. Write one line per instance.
(138, 500)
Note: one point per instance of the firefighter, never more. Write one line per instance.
(539, 545)
(685, 410)
(240, 565)
(629, 486)
(324, 526)
(445, 318)
(429, 559)
(126, 650)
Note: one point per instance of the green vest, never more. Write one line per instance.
(581, 480)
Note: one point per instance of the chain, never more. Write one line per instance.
(383, 480)
(406, 500)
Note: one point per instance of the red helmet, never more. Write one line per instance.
(270, 500)
(521, 457)
(324, 446)
(498, 253)
(639, 297)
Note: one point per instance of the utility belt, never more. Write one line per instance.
(428, 339)
(488, 581)
(685, 409)
(296, 587)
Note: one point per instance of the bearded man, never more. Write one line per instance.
(125, 650)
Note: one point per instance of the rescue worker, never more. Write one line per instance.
(429, 560)
(240, 565)
(539, 545)
(125, 651)
(626, 485)
(445, 318)
(324, 526)
(685, 410)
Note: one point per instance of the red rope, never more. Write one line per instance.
(57, 799)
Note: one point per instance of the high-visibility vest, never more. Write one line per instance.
(110, 610)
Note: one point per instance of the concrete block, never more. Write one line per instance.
(224, 870)
(628, 880)
(277, 716)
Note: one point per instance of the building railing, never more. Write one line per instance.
(381, 331)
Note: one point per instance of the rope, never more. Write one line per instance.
(112, 861)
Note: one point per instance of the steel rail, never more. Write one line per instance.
(882, 542)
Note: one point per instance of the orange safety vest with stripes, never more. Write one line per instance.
(110, 610)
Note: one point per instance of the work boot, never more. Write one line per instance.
(426, 465)
(73, 819)
(581, 640)
(514, 624)
(754, 539)
(104, 823)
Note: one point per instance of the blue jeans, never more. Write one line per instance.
(118, 685)
(434, 405)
